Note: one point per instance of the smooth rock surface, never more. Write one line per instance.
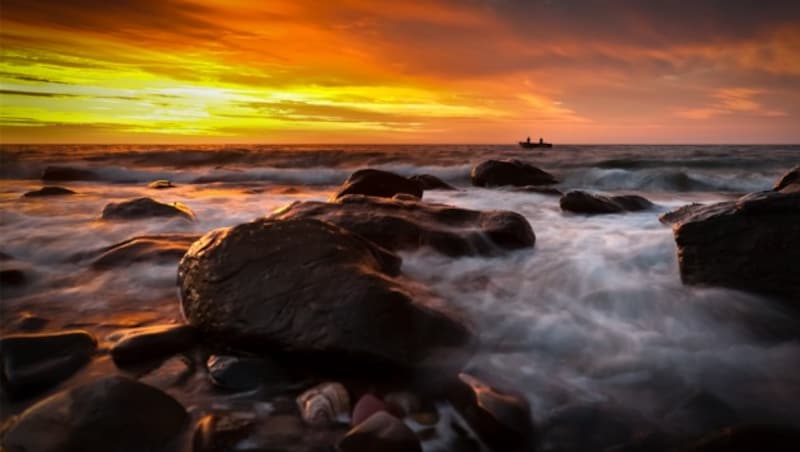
(431, 182)
(152, 342)
(373, 182)
(49, 191)
(405, 224)
(111, 414)
(156, 249)
(789, 182)
(366, 406)
(160, 184)
(578, 201)
(495, 173)
(34, 362)
(140, 208)
(324, 404)
(311, 287)
(236, 373)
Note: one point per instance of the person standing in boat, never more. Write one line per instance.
(529, 140)
(541, 141)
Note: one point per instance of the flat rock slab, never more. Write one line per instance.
(373, 182)
(495, 173)
(35, 362)
(588, 203)
(307, 286)
(113, 413)
(49, 191)
(140, 208)
(407, 224)
(752, 244)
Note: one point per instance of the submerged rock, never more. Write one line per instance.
(160, 184)
(430, 182)
(49, 191)
(12, 277)
(500, 417)
(139, 208)
(372, 182)
(311, 287)
(582, 202)
(550, 191)
(380, 432)
(589, 427)
(366, 406)
(494, 173)
(324, 404)
(34, 362)
(789, 182)
(752, 437)
(152, 342)
(66, 173)
(113, 413)
(699, 413)
(156, 249)
(751, 244)
(405, 224)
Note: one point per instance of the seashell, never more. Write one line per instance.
(324, 404)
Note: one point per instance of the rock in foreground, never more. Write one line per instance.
(404, 224)
(139, 208)
(152, 342)
(372, 182)
(495, 173)
(751, 244)
(311, 287)
(34, 362)
(113, 413)
(430, 182)
(582, 202)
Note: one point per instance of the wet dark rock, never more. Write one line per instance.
(366, 406)
(501, 417)
(49, 191)
(751, 244)
(372, 182)
(139, 208)
(551, 191)
(590, 427)
(495, 173)
(380, 432)
(324, 404)
(113, 413)
(402, 404)
(582, 202)
(399, 225)
(746, 438)
(32, 363)
(699, 413)
(235, 373)
(66, 173)
(222, 432)
(152, 342)
(680, 214)
(31, 322)
(789, 182)
(12, 277)
(155, 249)
(5, 257)
(311, 287)
(430, 182)
(160, 184)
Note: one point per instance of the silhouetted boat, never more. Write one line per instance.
(535, 144)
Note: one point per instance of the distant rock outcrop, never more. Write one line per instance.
(49, 191)
(582, 202)
(139, 208)
(495, 173)
(373, 182)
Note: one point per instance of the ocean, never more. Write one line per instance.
(595, 312)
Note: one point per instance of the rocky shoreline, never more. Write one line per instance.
(309, 311)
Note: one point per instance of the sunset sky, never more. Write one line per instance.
(356, 71)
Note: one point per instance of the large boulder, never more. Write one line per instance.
(431, 182)
(113, 413)
(50, 190)
(752, 244)
(406, 224)
(789, 182)
(139, 208)
(578, 201)
(494, 173)
(373, 182)
(32, 363)
(311, 287)
(156, 249)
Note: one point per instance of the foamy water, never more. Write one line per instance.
(595, 312)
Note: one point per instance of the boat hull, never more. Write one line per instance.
(527, 145)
